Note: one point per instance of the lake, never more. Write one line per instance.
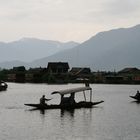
(118, 118)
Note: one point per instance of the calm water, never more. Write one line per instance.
(118, 118)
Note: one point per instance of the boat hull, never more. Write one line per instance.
(3, 86)
(136, 98)
(76, 105)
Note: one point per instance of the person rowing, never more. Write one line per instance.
(43, 99)
(137, 94)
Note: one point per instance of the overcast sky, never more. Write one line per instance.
(64, 20)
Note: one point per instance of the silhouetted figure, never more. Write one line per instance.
(64, 100)
(67, 101)
(43, 99)
(87, 84)
(137, 94)
(72, 98)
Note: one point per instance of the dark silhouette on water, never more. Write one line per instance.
(43, 99)
(67, 102)
(3, 86)
(137, 96)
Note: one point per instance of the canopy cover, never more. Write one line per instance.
(72, 90)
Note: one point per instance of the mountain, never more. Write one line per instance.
(11, 64)
(109, 50)
(29, 49)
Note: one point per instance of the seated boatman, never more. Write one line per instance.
(72, 98)
(64, 100)
(137, 94)
(43, 99)
(68, 101)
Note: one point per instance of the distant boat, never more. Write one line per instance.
(3, 86)
(136, 98)
(69, 102)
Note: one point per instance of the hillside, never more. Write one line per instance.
(29, 49)
(108, 50)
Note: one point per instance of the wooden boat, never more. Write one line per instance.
(76, 105)
(68, 102)
(3, 86)
(136, 98)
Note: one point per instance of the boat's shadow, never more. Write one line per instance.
(136, 102)
(71, 112)
(42, 111)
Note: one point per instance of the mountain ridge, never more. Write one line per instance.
(108, 50)
(101, 52)
(28, 49)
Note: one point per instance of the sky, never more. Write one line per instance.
(65, 20)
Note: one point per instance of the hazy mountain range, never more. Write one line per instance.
(108, 50)
(29, 49)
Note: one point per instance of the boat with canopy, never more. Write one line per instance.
(69, 102)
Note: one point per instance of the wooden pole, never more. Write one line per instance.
(91, 95)
(84, 95)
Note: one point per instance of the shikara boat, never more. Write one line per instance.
(69, 102)
(3, 86)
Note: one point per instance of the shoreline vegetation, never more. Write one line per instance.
(60, 73)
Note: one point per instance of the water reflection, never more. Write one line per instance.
(42, 111)
(65, 112)
(70, 112)
(62, 111)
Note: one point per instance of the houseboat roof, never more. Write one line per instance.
(72, 90)
(58, 64)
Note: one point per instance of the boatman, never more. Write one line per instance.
(43, 99)
(137, 94)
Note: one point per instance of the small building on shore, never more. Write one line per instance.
(130, 75)
(57, 67)
(80, 74)
(57, 72)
